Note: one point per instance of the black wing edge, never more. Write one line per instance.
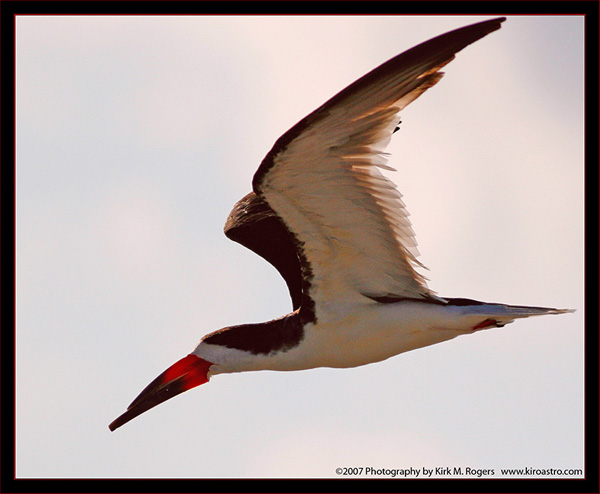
(253, 224)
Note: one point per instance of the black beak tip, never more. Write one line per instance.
(114, 425)
(121, 420)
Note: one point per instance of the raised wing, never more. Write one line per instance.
(253, 224)
(321, 179)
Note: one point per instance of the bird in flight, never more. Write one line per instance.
(322, 213)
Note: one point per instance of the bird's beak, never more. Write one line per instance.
(187, 373)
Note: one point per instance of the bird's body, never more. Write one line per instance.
(335, 227)
(352, 334)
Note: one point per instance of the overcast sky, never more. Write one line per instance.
(135, 137)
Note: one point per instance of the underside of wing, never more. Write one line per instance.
(321, 179)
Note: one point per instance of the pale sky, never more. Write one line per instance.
(135, 137)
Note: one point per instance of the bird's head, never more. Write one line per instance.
(187, 373)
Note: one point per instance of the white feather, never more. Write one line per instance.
(350, 219)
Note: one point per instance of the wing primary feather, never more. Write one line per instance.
(430, 55)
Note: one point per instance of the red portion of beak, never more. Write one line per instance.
(187, 373)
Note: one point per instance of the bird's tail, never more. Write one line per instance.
(488, 315)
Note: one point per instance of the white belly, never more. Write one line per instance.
(379, 332)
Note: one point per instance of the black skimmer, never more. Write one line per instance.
(337, 231)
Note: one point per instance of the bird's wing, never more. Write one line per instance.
(253, 224)
(321, 178)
